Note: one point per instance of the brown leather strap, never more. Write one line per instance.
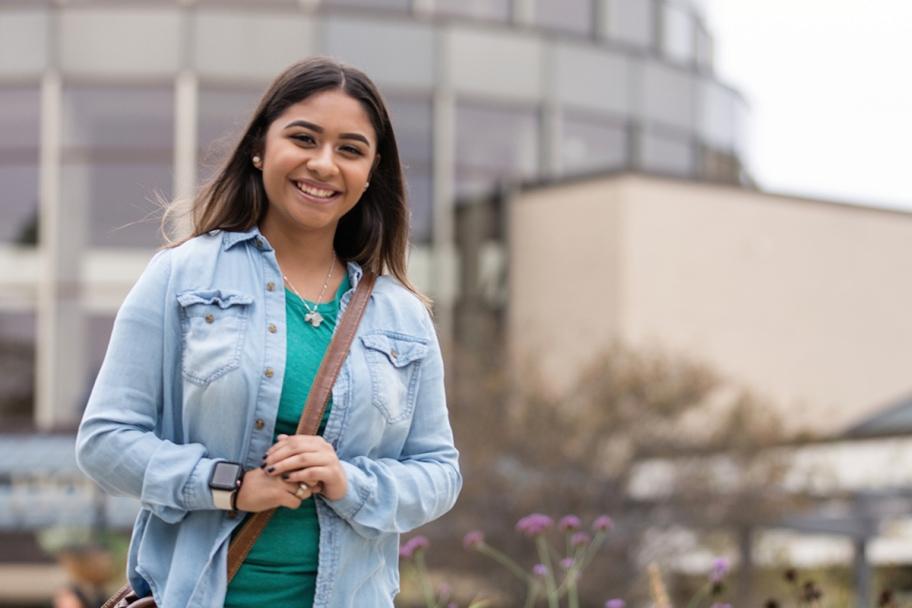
(317, 398)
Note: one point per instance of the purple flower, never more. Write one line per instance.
(569, 523)
(580, 539)
(720, 568)
(566, 563)
(602, 523)
(533, 525)
(540, 570)
(473, 539)
(615, 603)
(408, 548)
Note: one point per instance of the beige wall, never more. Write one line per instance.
(805, 301)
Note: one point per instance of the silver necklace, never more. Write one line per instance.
(313, 316)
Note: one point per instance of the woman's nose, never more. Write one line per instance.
(321, 163)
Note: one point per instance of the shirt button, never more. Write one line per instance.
(268, 372)
(260, 423)
(272, 328)
(393, 354)
(209, 318)
(270, 286)
(259, 244)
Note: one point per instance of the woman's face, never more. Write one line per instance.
(317, 159)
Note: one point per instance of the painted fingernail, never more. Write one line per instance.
(285, 476)
(270, 469)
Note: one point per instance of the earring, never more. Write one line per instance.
(366, 184)
(257, 162)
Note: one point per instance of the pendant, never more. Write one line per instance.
(314, 318)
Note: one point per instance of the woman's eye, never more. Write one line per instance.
(351, 150)
(307, 139)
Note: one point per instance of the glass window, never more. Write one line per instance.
(223, 114)
(631, 21)
(401, 5)
(19, 142)
(494, 144)
(568, 15)
(704, 49)
(412, 121)
(666, 154)
(495, 10)
(117, 158)
(677, 34)
(17, 360)
(668, 96)
(590, 145)
(99, 328)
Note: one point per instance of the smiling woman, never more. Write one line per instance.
(196, 408)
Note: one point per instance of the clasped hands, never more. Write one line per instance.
(294, 468)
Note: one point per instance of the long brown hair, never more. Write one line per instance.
(374, 233)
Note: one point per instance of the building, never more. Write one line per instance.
(109, 103)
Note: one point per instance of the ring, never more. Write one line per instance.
(302, 492)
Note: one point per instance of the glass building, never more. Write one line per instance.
(111, 105)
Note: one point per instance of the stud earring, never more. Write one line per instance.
(257, 162)
(366, 184)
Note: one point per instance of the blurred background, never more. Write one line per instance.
(668, 243)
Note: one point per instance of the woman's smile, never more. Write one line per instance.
(313, 191)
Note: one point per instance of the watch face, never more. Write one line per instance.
(225, 476)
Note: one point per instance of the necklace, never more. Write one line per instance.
(313, 316)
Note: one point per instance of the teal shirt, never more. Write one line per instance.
(281, 568)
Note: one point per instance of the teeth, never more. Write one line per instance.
(318, 192)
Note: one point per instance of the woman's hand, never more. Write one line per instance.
(308, 459)
(260, 492)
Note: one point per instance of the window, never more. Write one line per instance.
(117, 159)
(567, 15)
(631, 21)
(17, 360)
(677, 34)
(223, 114)
(493, 10)
(19, 125)
(666, 153)
(589, 144)
(494, 144)
(413, 123)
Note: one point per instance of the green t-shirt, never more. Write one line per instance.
(281, 568)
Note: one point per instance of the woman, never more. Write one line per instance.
(210, 362)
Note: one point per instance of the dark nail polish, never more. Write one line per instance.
(270, 470)
(263, 466)
(285, 476)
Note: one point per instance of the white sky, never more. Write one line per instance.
(829, 85)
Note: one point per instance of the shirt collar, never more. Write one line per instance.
(232, 238)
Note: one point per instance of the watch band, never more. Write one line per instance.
(223, 499)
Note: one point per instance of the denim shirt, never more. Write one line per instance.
(193, 375)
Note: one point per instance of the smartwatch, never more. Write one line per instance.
(224, 484)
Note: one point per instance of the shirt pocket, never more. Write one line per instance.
(394, 360)
(213, 324)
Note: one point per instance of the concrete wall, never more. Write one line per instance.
(804, 301)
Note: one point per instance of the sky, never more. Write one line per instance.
(829, 88)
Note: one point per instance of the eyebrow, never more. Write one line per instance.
(319, 129)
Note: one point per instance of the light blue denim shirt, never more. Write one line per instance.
(193, 375)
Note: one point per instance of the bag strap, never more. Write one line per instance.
(313, 409)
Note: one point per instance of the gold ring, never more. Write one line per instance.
(301, 492)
